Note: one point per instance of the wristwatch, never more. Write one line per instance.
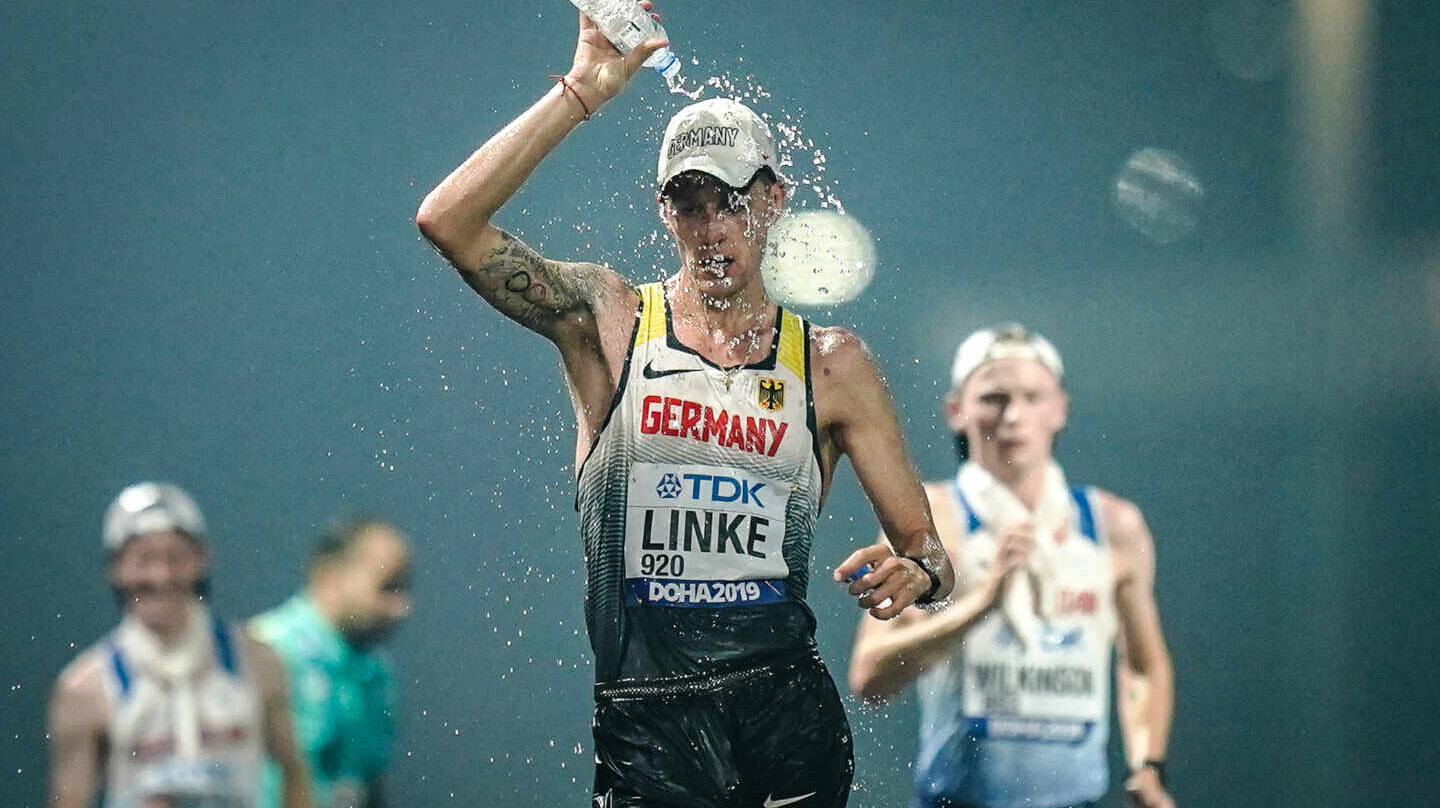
(929, 596)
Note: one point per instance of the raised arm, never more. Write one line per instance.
(856, 418)
(1145, 678)
(455, 217)
(75, 729)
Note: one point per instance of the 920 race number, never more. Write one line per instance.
(666, 564)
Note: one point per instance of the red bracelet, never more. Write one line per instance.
(565, 83)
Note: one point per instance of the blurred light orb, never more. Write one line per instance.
(1159, 195)
(817, 258)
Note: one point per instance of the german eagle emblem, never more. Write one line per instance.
(772, 394)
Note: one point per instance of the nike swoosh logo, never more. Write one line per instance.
(771, 802)
(650, 372)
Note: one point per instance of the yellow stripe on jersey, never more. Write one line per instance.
(652, 313)
(792, 344)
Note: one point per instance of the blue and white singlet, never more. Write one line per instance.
(1009, 726)
(157, 756)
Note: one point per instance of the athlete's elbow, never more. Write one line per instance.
(443, 226)
(1154, 667)
(1161, 672)
(430, 219)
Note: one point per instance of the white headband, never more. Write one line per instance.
(1003, 341)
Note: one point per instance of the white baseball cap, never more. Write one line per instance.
(721, 137)
(1001, 342)
(150, 508)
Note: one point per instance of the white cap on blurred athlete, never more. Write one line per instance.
(151, 508)
(1001, 342)
(721, 137)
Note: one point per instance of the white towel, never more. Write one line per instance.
(1029, 598)
(178, 666)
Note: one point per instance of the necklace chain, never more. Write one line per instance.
(729, 371)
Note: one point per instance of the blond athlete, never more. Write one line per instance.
(1013, 674)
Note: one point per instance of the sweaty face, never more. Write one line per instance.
(375, 585)
(158, 575)
(1010, 409)
(719, 230)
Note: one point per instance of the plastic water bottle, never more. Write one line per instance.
(626, 24)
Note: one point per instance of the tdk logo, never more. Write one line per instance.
(668, 487)
(712, 488)
(1053, 640)
(1050, 639)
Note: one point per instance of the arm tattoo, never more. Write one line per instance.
(529, 289)
(518, 282)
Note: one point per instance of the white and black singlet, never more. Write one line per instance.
(697, 504)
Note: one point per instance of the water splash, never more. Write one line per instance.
(676, 84)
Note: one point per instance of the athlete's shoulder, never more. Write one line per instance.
(88, 665)
(1118, 512)
(834, 338)
(1124, 522)
(81, 683)
(264, 661)
(836, 351)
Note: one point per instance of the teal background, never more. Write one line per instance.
(212, 277)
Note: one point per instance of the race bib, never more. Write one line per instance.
(1054, 693)
(704, 536)
(211, 783)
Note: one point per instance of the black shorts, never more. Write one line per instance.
(763, 737)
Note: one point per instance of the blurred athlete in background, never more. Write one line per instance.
(341, 679)
(1014, 673)
(175, 708)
